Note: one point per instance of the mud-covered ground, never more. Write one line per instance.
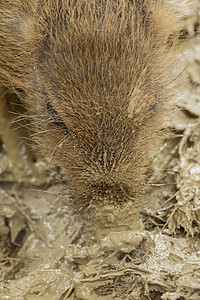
(47, 251)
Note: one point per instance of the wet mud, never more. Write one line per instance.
(49, 251)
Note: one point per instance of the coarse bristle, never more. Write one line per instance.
(96, 78)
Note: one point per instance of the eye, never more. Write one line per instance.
(55, 118)
(153, 107)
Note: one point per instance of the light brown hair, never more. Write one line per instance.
(94, 74)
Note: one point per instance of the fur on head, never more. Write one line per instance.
(94, 73)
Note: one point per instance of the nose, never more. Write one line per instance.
(111, 190)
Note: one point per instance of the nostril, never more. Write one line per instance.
(107, 187)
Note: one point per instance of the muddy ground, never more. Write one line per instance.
(47, 251)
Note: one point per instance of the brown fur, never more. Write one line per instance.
(94, 74)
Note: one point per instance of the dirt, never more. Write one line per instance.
(49, 251)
